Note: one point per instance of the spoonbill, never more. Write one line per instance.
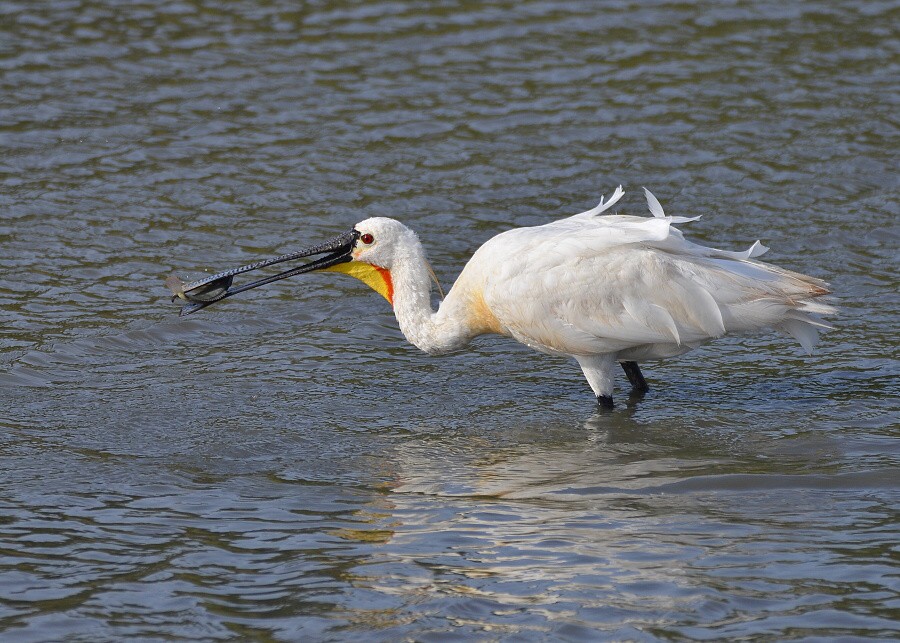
(596, 287)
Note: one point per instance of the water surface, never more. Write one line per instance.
(284, 466)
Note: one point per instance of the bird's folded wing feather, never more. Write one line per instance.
(589, 284)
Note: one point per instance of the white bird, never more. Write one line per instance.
(599, 288)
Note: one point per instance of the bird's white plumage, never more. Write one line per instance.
(655, 206)
(599, 287)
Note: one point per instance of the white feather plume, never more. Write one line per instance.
(657, 211)
(617, 194)
(756, 250)
(653, 203)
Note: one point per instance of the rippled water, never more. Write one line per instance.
(284, 466)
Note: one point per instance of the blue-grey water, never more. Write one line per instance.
(283, 466)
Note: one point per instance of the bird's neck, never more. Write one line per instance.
(439, 332)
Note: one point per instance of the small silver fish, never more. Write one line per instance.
(203, 291)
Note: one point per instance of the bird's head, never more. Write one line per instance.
(378, 244)
(368, 252)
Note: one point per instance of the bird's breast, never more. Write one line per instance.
(480, 317)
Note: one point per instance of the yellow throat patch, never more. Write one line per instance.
(378, 279)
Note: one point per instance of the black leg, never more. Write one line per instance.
(605, 401)
(633, 371)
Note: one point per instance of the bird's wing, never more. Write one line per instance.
(591, 284)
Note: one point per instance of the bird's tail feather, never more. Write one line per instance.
(804, 331)
(752, 295)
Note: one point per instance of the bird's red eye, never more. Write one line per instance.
(367, 238)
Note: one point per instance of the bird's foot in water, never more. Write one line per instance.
(605, 402)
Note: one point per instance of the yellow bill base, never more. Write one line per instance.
(378, 279)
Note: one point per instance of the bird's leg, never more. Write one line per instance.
(599, 371)
(633, 372)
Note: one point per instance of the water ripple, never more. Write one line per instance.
(286, 467)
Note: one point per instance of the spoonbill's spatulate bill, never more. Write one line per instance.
(599, 288)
